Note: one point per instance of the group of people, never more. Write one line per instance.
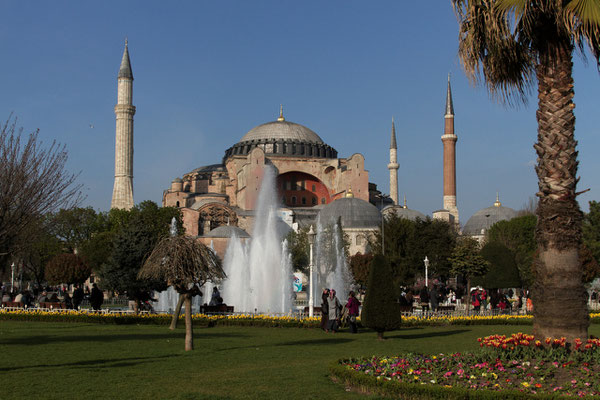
(60, 295)
(334, 314)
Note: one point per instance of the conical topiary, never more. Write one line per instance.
(381, 310)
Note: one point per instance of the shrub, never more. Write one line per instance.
(381, 311)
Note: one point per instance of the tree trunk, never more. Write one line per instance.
(176, 313)
(558, 293)
(189, 330)
(380, 335)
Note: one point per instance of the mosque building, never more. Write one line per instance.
(313, 183)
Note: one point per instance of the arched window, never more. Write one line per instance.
(314, 201)
(293, 200)
(177, 204)
(303, 200)
(322, 200)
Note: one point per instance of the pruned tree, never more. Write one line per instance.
(67, 268)
(381, 310)
(33, 182)
(185, 264)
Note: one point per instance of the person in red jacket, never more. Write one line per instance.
(352, 306)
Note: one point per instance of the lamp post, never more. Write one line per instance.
(311, 299)
(12, 278)
(381, 197)
(426, 262)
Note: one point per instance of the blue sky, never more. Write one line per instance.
(208, 72)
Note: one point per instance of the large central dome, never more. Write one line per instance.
(282, 130)
(282, 138)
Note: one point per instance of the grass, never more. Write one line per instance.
(54, 360)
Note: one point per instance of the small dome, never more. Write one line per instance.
(282, 130)
(227, 231)
(404, 212)
(355, 213)
(178, 180)
(483, 219)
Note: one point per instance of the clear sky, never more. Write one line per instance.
(208, 72)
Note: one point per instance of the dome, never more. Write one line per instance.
(282, 130)
(403, 212)
(483, 219)
(282, 138)
(355, 213)
(227, 231)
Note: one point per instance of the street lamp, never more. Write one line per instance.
(381, 197)
(311, 299)
(426, 262)
(12, 278)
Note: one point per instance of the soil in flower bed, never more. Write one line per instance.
(470, 371)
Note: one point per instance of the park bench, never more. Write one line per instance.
(220, 309)
(408, 308)
(316, 310)
(15, 304)
(53, 305)
(451, 307)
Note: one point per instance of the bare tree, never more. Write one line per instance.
(33, 182)
(185, 264)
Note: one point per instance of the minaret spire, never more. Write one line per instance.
(393, 166)
(449, 139)
(124, 111)
(449, 105)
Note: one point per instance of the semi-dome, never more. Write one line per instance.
(404, 212)
(283, 138)
(355, 213)
(483, 219)
(227, 231)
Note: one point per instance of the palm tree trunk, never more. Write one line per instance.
(176, 313)
(189, 330)
(558, 294)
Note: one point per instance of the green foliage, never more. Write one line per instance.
(381, 311)
(503, 271)
(466, 260)
(408, 242)
(518, 235)
(97, 250)
(299, 249)
(360, 265)
(591, 229)
(137, 233)
(67, 268)
(74, 227)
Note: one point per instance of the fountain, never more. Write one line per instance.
(259, 272)
(330, 262)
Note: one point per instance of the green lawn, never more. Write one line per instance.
(62, 360)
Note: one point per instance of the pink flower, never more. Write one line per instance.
(460, 372)
(448, 374)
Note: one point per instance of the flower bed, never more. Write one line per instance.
(156, 319)
(251, 319)
(505, 367)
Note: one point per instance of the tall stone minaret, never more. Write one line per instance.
(124, 111)
(449, 140)
(393, 166)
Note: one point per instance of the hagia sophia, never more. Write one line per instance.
(313, 181)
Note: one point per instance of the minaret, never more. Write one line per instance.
(449, 140)
(124, 111)
(393, 166)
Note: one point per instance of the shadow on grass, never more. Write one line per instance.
(316, 342)
(99, 363)
(42, 340)
(426, 334)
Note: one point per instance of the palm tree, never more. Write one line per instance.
(511, 45)
(185, 264)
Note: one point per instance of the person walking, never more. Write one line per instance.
(352, 306)
(333, 311)
(324, 308)
(77, 297)
(424, 299)
(434, 298)
(96, 298)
